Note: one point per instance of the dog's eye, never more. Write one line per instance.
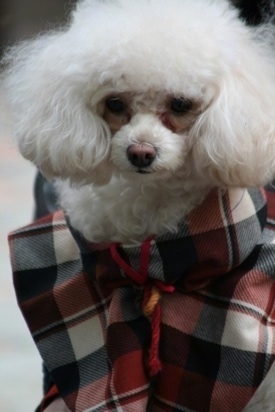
(115, 105)
(180, 105)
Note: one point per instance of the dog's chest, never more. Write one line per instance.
(126, 214)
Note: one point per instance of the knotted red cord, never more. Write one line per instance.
(151, 298)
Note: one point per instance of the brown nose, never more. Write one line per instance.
(141, 155)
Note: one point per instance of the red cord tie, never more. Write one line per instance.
(50, 396)
(151, 298)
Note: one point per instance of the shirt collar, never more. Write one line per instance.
(214, 238)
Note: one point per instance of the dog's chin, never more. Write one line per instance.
(103, 178)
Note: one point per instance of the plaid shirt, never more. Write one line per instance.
(217, 333)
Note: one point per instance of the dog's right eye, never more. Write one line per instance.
(115, 105)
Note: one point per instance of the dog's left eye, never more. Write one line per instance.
(180, 105)
(115, 105)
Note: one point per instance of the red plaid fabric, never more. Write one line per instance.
(83, 306)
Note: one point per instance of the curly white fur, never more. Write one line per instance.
(145, 53)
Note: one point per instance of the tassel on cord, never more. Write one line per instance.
(151, 308)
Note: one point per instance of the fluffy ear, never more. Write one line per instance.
(54, 123)
(235, 136)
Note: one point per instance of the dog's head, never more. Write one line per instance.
(148, 89)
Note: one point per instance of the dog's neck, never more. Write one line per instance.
(126, 211)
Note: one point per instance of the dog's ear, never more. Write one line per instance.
(54, 124)
(236, 143)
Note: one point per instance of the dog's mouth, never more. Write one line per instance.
(143, 172)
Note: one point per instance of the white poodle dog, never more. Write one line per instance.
(139, 108)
